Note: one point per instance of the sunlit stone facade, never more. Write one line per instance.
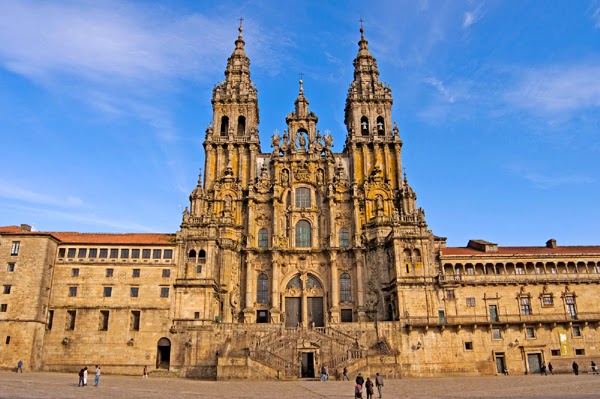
(294, 259)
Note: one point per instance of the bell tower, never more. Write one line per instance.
(232, 141)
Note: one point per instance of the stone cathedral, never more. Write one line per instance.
(294, 259)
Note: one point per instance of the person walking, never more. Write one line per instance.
(369, 387)
(378, 383)
(85, 376)
(326, 373)
(80, 383)
(575, 368)
(97, 379)
(323, 374)
(145, 375)
(543, 370)
(550, 368)
(594, 368)
(20, 366)
(360, 380)
(345, 374)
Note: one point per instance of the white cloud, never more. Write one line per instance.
(439, 86)
(596, 17)
(546, 180)
(563, 89)
(10, 190)
(471, 17)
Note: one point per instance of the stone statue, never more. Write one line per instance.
(379, 203)
(301, 140)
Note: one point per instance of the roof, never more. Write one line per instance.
(563, 250)
(99, 238)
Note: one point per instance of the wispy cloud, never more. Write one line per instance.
(596, 17)
(545, 180)
(562, 88)
(11, 191)
(439, 86)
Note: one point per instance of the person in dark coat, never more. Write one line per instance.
(360, 380)
(369, 387)
(575, 368)
(550, 368)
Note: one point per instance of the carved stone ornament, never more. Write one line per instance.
(302, 171)
(262, 219)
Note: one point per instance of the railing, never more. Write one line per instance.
(435, 320)
(339, 336)
(274, 361)
(518, 278)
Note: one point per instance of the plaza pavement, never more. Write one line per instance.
(59, 385)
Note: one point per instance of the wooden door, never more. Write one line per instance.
(292, 312)
(315, 311)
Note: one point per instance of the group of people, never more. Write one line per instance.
(83, 376)
(360, 381)
(593, 368)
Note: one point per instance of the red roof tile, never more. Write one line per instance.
(10, 229)
(107, 238)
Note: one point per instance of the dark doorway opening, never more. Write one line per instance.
(500, 365)
(315, 311)
(163, 354)
(262, 316)
(308, 368)
(292, 312)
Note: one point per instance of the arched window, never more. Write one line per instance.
(263, 289)
(345, 288)
(192, 254)
(202, 256)
(263, 238)
(344, 241)
(241, 127)
(380, 126)
(312, 281)
(303, 234)
(294, 282)
(224, 125)
(364, 126)
(302, 197)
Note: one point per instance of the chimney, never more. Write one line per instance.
(551, 243)
(25, 227)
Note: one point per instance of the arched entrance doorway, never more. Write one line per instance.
(304, 304)
(163, 354)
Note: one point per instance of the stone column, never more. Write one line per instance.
(360, 290)
(335, 290)
(249, 309)
(399, 164)
(304, 301)
(275, 311)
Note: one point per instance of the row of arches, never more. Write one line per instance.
(365, 128)
(241, 125)
(522, 268)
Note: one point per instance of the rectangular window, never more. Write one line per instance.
(7, 289)
(61, 253)
(71, 317)
(196, 315)
(579, 352)
(576, 331)
(71, 253)
(156, 253)
(135, 273)
(525, 305)
(50, 319)
(103, 325)
(110, 272)
(470, 302)
(3, 307)
(198, 268)
(570, 300)
(548, 300)
(166, 273)
(134, 292)
(302, 197)
(468, 346)
(134, 324)
(496, 333)
(449, 294)
(107, 292)
(555, 352)
(135, 253)
(11, 267)
(125, 253)
(519, 270)
(93, 253)
(114, 253)
(346, 315)
(103, 253)
(168, 254)
(470, 271)
(82, 253)
(164, 292)
(74, 272)
(145, 254)
(14, 249)
(530, 332)
(72, 291)
(7, 340)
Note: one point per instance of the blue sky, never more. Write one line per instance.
(104, 106)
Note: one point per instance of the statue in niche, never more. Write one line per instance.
(395, 215)
(320, 176)
(379, 203)
(285, 177)
(301, 140)
(227, 206)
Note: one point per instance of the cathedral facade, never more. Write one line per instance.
(294, 259)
